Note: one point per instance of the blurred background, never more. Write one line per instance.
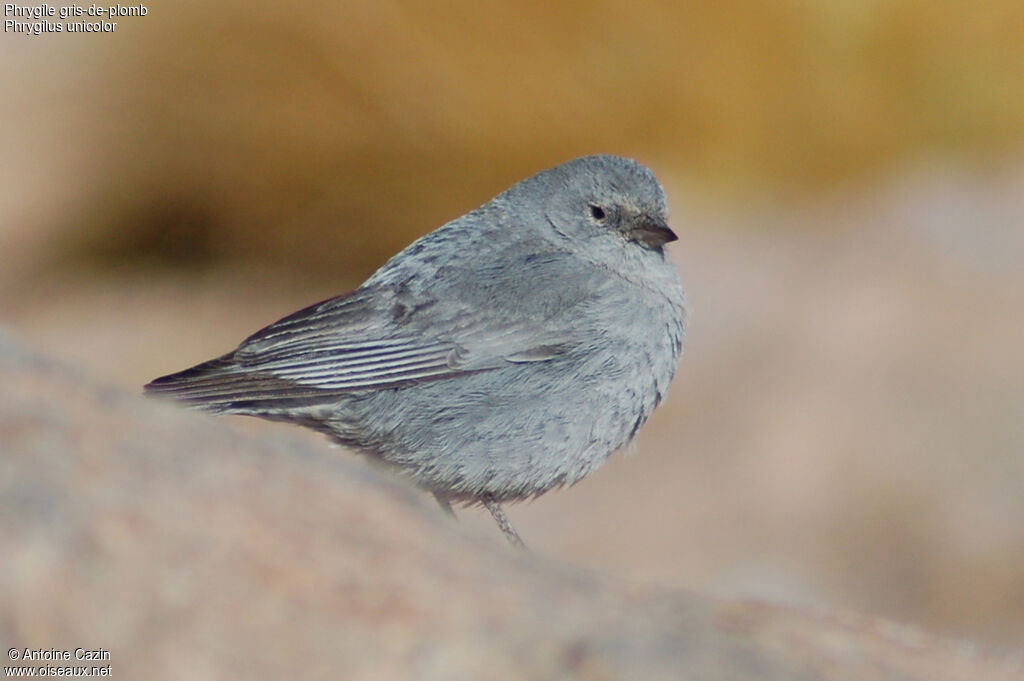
(846, 429)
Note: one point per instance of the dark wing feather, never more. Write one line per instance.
(218, 386)
(388, 335)
(348, 344)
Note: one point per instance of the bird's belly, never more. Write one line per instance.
(512, 432)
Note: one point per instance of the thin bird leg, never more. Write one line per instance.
(499, 516)
(445, 505)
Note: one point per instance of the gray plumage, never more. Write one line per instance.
(506, 353)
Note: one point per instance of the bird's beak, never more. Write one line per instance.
(653, 233)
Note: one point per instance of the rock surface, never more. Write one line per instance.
(188, 550)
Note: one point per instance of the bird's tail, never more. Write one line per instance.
(205, 385)
(223, 386)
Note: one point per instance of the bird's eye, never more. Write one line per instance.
(596, 212)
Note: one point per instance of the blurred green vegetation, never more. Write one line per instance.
(329, 134)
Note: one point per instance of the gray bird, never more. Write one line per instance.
(506, 353)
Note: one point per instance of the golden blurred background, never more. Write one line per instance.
(847, 178)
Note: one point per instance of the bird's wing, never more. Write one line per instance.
(343, 344)
(395, 334)
(385, 338)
